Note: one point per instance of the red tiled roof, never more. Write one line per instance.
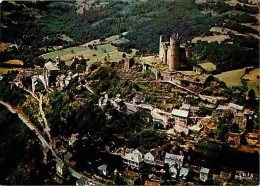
(147, 182)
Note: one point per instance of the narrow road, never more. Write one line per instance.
(47, 128)
(27, 122)
(44, 143)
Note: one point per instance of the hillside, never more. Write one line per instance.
(50, 26)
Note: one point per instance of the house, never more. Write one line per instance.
(235, 107)
(133, 160)
(222, 108)
(61, 169)
(242, 175)
(173, 158)
(147, 182)
(185, 106)
(184, 172)
(225, 175)
(138, 99)
(175, 163)
(180, 116)
(50, 72)
(150, 157)
(103, 169)
(73, 139)
(131, 107)
(159, 117)
(204, 174)
(140, 151)
(194, 110)
(82, 181)
(67, 157)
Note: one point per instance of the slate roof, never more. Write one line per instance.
(222, 107)
(180, 113)
(102, 167)
(184, 172)
(60, 164)
(68, 155)
(235, 106)
(185, 106)
(204, 170)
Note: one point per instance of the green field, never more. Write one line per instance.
(232, 78)
(253, 80)
(93, 55)
(208, 66)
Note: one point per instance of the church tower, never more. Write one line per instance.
(57, 59)
(174, 63)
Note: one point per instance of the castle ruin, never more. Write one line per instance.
(172, 53)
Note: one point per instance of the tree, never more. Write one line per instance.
(251, 98)
(235, 127)
(124, 55)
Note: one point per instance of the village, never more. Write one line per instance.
(190, 116)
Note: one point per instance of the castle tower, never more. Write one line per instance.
(188, 55)
(165, 49)
(174, 63)
(161, 51)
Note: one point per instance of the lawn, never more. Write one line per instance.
(218, 38)
(93, 55)
(208, 66)
(253, 80)
(232, 78)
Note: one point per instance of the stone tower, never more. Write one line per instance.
(161, 51)
(188, 55)
(165, 51)
(174, 63)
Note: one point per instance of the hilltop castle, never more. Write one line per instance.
(173, 54)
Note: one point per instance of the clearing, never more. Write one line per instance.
(92, 54)
(209, 39)
(209, 66)
(232, 78)
(253, 82)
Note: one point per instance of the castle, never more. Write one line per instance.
(176, 56)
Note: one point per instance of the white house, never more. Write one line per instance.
(175, 163)
(60, 168)
(133, 160)
(204, 174)
(150, 157)
(180, 116)
(103, 169)
(235, 107)
(140, 151)
(184, 172)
